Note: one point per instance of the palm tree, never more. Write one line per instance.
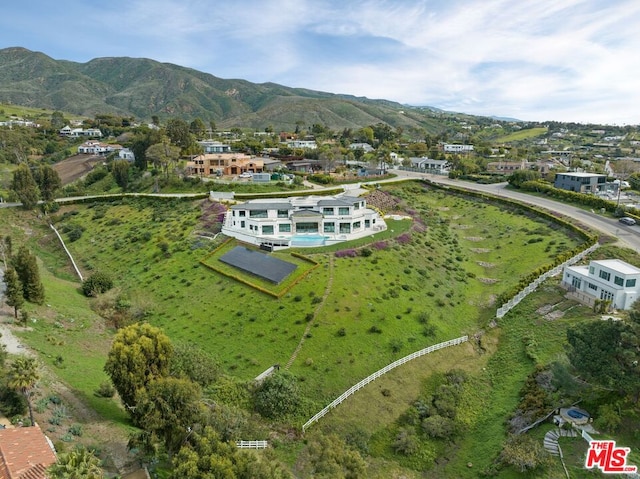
(80, 463)
(23, 376)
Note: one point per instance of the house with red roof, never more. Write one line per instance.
(25, 453)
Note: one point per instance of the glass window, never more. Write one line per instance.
(618, 280)
(367, 223)
(329, 227)
(631, 283)
(258, 213)
(307, 227)
(242, 213)
(267, 229)
(605, 275)
(283, 214)
(356, 225)
(345, 228)
(327, 211)
(343, 211)
(592, 286)
(242, 224)
(591, 270)
(284, 228)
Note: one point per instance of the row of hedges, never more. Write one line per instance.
(591, 201)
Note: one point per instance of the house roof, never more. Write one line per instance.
(618, 265)
(25, 453)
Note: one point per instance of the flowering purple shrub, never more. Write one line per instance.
(404, 238)
(346, 253)
(380, 245)
(212, 216)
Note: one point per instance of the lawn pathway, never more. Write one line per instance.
(315, 314)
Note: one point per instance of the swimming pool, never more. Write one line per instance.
(308, 240)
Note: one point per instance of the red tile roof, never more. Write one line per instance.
(25, 453)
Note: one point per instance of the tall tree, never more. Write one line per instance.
(48, 181)
(57, 120)
(607, 354)
(178, 132)
(26, 267)
(197, 127)
(144, 138)
(25, 187)
(14, 294)
(169, 408)
(120, 172)
(140, 354)
(206, 456)
(163, 155)
(80, 463)
(23, 376)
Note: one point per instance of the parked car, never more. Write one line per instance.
(246, 175)
(625, 220)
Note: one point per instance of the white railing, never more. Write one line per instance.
(513, 302)
(251, 444)
(377, 374)
(75, 267)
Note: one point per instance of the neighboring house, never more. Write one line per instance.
(308, 144)
(93, 147)
(507, 166)
(304, 166)
(455, 148)
(435, 166)
(366, 147)
(228, 164)
(277, 223)
(78, 132)
(580, 182)
(608, 279)
(211, 146)
(126, 154)
(25, 453)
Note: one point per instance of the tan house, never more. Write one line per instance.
(227, 164)
(25, 452)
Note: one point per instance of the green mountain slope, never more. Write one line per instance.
(142, 88)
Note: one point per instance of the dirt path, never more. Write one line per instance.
(315, 314)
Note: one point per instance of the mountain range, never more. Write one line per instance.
(143, 88)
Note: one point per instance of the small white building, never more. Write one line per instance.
(607, 279)
(276, 223)
(307, 144)
(456, 148)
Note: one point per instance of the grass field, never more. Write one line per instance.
(522, 135)
(414, 287)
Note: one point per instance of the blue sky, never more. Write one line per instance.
(563, 60)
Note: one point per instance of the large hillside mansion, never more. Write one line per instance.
(278, 223)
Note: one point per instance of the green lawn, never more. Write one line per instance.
(522, 135)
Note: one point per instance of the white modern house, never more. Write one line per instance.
(306, 221)
(607, 279)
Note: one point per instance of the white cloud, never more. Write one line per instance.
(571, 60)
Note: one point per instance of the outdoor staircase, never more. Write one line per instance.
(551, 439)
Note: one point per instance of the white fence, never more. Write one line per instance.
(377, 374)
(251, 444)
(531, 287)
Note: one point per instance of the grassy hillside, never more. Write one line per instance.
(415, 287)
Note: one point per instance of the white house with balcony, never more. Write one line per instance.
(306, 221)
(608, 279)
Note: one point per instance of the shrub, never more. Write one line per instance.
(105, 390)
(97, 283)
